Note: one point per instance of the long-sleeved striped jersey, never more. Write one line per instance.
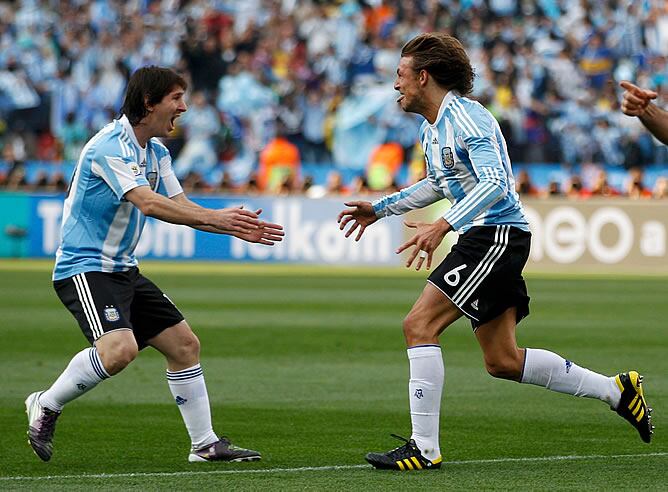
(100, 229)
(467, 163)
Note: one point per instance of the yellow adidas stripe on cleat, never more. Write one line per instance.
(619, 383)
(400, 465)
(633, 402)
(409, 465)
(417, 463)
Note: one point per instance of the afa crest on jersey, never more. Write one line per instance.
(152, 178)
(111, 314)
(447, 157)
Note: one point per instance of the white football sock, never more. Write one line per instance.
(547, 369)
(81, 375)
(424, 393)
(189, 391)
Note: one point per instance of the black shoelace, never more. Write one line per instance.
(48, 424)
(399, 452)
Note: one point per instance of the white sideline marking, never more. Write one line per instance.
(325, 468)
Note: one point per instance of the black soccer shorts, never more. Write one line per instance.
(102, 302)
(482, 274)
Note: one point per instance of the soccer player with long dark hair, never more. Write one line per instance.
(481, 278)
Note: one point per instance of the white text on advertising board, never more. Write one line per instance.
(312, 240)
(563, 234)
(159, 238)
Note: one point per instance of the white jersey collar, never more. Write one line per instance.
(130, 131)
(449, 97)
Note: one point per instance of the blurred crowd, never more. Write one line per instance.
(276, 85)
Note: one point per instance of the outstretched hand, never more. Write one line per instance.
(266, 233)
(426, 239)
(235, 220)
(635, 100)
(361, 215)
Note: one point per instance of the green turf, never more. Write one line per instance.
(308, 366)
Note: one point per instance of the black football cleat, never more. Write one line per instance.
(223, 450)
(404, 458)
(41, 426)
(632, 405)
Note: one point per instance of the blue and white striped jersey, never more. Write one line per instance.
(467, 163)
(100, 229)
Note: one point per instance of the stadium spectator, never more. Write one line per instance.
(576, 188)
(279, 159)
(384, 163)
(57, 183)
(16, 178)
(193, 182)
(73, 136)
(359, 186)
(124, 176)
(315, 115)
(607, 139)
(524, 186)
(250, 187)
(201, 124)
(596, 61)
(41, 181)
(661, 188)
(226, 186)
(335, 185)
(481, 277)
(601, 187)
(553, 189)
(636, 188)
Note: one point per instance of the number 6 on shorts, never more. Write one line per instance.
(452, 277)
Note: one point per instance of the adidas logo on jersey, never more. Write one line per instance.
(474, 304)
(435, 141)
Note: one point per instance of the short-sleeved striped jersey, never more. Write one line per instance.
(467, 163)
(100, 229)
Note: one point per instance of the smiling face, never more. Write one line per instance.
(162, 116)
(410, 86)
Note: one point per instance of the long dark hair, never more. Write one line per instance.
(444, 58)
(149, 85)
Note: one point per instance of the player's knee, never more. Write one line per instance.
(415, 329)
(503, 368)
(118, 356)
(189, 348)
(185, 351)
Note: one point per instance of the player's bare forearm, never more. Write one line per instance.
(155, 205)
(655, 120)
(181, 199)
(176, 211)
(266, 233)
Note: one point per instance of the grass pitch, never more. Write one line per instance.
(308, 366)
